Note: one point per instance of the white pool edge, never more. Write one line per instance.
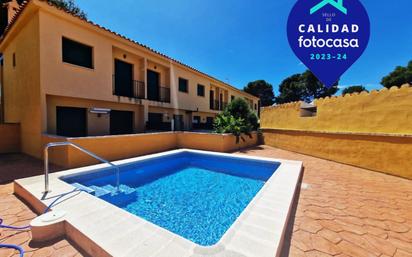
(257, 232)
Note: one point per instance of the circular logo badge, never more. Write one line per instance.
(328, 36)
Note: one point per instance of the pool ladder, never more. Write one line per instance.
(55, 144)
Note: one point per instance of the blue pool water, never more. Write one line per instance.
(197, 196)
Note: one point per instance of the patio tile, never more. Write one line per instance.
(325, 246)
(401, 253)
(363, 213)
(341, 211)
(330, 235)
(15, 212)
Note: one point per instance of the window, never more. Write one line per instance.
(14, 60)
(232, 98)
(123, 80)
(71, 121)
(200, 90)
(196, 119)
(255, 106)
(77, 53)
(121, 122)
(183, 85)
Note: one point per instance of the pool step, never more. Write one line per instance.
(110, 194)
(84, 188)
(100, 191)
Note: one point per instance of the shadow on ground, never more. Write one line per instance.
(16, 166)
(289, 229)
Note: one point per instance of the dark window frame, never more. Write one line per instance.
(187, 85)
(14, 60)
(66, 59)
(62, 110)
(117, 130)
(203, 90)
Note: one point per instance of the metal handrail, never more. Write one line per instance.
(54, 144)
(137, 89)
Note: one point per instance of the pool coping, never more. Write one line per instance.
(257, 232)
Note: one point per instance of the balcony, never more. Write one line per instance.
(217, 105)
(159, 94)
(128, 88)
(164, 94)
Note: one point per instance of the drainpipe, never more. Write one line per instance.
(1, 90)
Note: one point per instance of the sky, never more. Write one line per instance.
(242, 41)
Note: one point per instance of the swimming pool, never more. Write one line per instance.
(195, 195)
(188, 200)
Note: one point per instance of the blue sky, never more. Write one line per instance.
(241, 41)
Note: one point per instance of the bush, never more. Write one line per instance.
(236, 119)
(401, 75)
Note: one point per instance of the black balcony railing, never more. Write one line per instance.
(164, 94)
(128, 88)
(217, 105)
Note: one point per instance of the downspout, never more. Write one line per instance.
(1, 90)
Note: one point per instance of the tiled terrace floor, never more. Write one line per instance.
(341, 211)
(15, 212)
(347, 211)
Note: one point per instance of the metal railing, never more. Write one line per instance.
(217, 105)
(132, 89)
(55, 144)
(164, 94)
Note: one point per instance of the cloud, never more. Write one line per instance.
(343, 86)
(368, 86)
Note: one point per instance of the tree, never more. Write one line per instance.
(261, 89)
(401, 75)
(237, 119)
(353, 89)
(68, 5)
(303, 87)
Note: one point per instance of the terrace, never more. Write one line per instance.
(339, 210)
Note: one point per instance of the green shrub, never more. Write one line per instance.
(237, 119)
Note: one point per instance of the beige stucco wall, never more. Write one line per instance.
(189, 100)
(137, 62)
(203, 116)
(369, 130)
(127, 146)
(96, 125)
(21, 84)
(36, 38)
(9, 138)
(187, 117)
(215, 142)
(60, 78)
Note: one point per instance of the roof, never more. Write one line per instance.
(24, 5)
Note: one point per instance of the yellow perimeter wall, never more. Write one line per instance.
(369, 130)
(127, 146)
(384, 111)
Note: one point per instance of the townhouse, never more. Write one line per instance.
(64, 75)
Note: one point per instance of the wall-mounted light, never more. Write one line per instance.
(99, 110)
